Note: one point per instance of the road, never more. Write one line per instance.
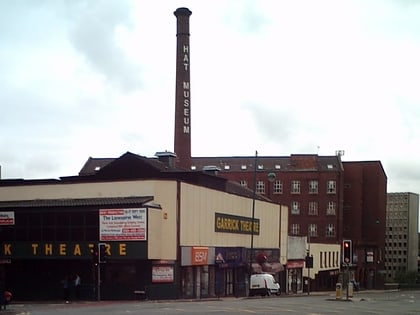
(383, 303)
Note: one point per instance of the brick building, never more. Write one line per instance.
(364, 219)
(311, 186)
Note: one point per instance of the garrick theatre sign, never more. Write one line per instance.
(236, 224)
(71, 250)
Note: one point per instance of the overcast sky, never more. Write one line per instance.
(97, 78)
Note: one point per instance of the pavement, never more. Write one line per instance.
(19, 307)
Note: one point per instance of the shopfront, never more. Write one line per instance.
(197, 272)
(231, 271)
(50, 242)
(294, 272)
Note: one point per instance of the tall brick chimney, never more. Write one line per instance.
(182, 141)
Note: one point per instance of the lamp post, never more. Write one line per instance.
(308, 261)
(251, 254)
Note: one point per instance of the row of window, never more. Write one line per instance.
(398, 236)
(53, 226)
(395, 252)
(330, 230)
(295, 208)
(295, 186)
(398, 228)
(260, 167)
(329, 259)
(396, 260)
(392, 245)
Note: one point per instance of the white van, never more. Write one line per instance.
(263, 284)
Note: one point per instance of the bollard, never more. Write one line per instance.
(338, 291)
(350, 289)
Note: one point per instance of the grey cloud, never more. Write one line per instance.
(276, 125)
(246, 17)
(92, 33)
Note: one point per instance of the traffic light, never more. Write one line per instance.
(95, 255)
(347, 252)
(309, 261)
(102, 253)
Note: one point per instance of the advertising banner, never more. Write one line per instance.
(162, 274)
(123, 224)
(7, 218)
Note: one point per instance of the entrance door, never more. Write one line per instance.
(230, 282)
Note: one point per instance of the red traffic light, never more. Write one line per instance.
(347, 252)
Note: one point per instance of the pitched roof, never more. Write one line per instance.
(295, 162)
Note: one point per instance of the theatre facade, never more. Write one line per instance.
(164, 233)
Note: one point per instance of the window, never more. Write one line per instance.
(331, 187)
(331, 208)
(278, 187)
(295, 209)
(313, 230)
(330, 230)
(295, 229)
(227, 167)
(313, 187)
(243, 167)
(295, 187)
(260, 167)
(243, 183)
(260, 187)
(313, 208)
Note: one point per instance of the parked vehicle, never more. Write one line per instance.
(263, 284)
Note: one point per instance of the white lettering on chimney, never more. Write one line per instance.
(186, 87)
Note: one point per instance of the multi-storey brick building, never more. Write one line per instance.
(365, 189)
(310, 185)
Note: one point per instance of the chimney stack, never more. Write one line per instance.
(182, 141)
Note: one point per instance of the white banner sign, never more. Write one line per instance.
(7, 218)
(123, 224)
(162, 274)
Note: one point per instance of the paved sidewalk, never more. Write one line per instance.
(20, 307)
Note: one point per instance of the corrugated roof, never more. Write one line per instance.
(75, 202)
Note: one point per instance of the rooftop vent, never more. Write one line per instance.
(166, 157)
(211, 169)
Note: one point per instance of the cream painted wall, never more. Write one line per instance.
(317, 250)
(83, 190)
(284, 234)
(163, 223)
(161, 227)
(198, 207)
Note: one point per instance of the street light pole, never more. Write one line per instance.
(254, 195)
(307, 262)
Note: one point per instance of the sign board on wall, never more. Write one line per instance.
(123, 224)
(162, 274)
(228, 223)
(7, 218)
(70, 250)
(199, 255)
